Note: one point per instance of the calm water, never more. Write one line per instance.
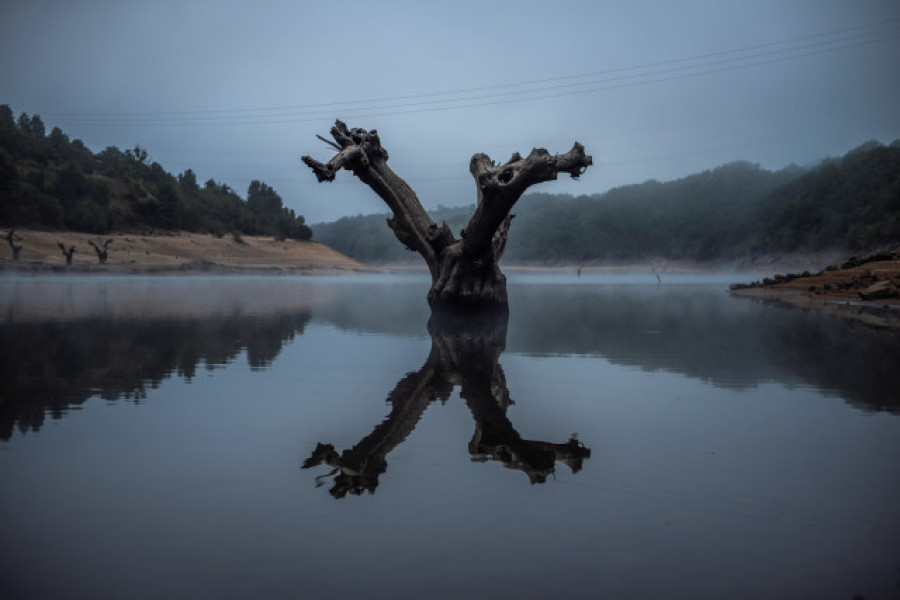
(253, 437)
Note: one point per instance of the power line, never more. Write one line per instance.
(555, 87)
(604, 86)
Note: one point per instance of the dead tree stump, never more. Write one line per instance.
(465, 271)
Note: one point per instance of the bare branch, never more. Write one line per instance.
(501, 186)
(346, 158)
(360, 152)
(329, 142)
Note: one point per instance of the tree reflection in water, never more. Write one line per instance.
(465, 352)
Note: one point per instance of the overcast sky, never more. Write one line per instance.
(654, 89)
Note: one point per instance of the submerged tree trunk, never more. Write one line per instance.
(465, 272)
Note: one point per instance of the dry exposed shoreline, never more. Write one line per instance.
(863, 290)
(173, 252)
(835, 289)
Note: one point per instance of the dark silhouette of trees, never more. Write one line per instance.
(53, 182)
(139, 155)
(465, 272)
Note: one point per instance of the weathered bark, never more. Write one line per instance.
(102, 253)
(465, 352)
(67, 253)
(465, 272)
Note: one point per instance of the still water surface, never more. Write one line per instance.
(269, 437)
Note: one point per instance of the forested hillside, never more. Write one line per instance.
(367, 238)
(735, 210)
(51, 182)
(850, 203)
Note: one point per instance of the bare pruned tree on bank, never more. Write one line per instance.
(102, 251)
(67, 253)
(11, 238)
(465, 272)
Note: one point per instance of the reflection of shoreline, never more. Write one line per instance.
(50, 367)
(872, 314)
(698, 331)
(709, 335)
(695, 329)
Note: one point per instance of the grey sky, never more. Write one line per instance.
(655, 89)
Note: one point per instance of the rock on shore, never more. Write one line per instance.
(866, 289)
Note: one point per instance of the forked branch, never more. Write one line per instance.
(67, 253)
(102, 251)
(464, 272)
(501, 186)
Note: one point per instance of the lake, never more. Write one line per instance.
(322, 437)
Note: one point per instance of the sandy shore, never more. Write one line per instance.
(173, 252)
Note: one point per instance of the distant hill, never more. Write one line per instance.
(736, 210)
(368, 239)
(851, 203)
(48, 181)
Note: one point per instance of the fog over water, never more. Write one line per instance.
(614, 437)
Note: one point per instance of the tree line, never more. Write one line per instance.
(736, 210)
(50, 181)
